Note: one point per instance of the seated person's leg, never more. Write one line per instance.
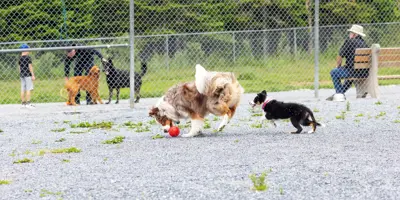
(337, 74)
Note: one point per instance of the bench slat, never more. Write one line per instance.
(389, 77)
(389, 64)
(363, 51)
(362, 65)
(389, 51)
(389, 58)
(362, 59)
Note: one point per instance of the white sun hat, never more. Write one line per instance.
(357, 29)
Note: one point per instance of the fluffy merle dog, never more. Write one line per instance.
(117, 78)
(297, 113)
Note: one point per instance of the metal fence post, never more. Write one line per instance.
(316, 49)
(167, 52)
(131, 53)
(234, 47)
(295, 43)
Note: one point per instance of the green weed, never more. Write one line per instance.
(25, 160)
(58, 130)
(378, 103)
(66, 160)
(60, 140)
(4, 182)
(256, 125)
(66, 150)
(45, 193)
(342, 115)
(281, 190)
(259, 182)
(115, 140)
(348, 106)
(158, 136)
(36, 142)
(257, 115)
(315, 110)
(381, 114)
(359, 115)
(396, 121)
(101, 125)
(137, 127)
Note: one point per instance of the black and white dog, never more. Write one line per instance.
(118, 78)
(297, 113)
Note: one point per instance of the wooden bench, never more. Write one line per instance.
(373, 59)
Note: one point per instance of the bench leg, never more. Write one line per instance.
(361, 87)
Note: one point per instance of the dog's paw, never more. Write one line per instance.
(108, 102)
(311, 131)
(220, 128)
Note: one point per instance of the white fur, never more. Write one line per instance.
(159, 101)
(166, 127)
(197, 126)
(200, 77)
(224, 122)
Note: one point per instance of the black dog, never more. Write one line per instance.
(297, 113)
(117, 78)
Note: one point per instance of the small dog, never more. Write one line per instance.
(89, 83)
(297, 113)
(117, 78)
(217, 93)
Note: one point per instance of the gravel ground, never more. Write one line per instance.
(352, 158)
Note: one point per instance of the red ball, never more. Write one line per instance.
(173, 131)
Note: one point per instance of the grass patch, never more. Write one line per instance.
(115, 140)
(1, 131)
(359, 115)
(152, 122)
(215, 118)
(4, 182)
(58, 130)
(60, 140)
(13, 153)
(381, 114)
(66, 121)
(315, 110)
(65, 161)
(348, 106)
(186, 125)
(396, 121)
(236, 141)
(378, 103)
(256, 125)
(45, 193)
(25, 160)
(342, 116)
(80, 132)
(137, 127)
(281, 191)
(259, 181)
(206, 124)
(158, 136)
(101, 125)
(36, 142)
(66, 150)
(257, 115)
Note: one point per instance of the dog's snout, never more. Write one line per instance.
(165, 131)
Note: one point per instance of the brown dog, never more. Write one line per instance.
(89, 83)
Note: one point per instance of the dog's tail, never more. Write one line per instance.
(313, 119)
(143, 69)
(200, 77)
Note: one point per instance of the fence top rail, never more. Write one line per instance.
(62, 48)
(188, 34)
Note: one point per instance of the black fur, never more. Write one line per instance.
(297, 113)
(117, 78)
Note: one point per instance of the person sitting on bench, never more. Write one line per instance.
(347, 51)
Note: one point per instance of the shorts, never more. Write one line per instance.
(26, 84)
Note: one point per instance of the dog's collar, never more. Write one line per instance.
(265, 102)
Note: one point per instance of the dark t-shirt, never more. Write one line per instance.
(24, 62)
(84, 59)
(348, 50)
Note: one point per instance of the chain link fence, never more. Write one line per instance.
(267, 44)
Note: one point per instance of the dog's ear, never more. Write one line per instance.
(264, 92)
(188, 91)
(153, 111)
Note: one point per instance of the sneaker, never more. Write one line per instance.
(30, 106)
(330, 98)
(339, 97)
(23, 106)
